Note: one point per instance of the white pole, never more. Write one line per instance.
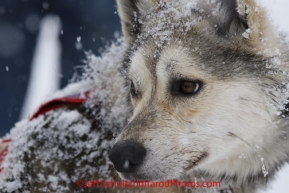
(45, 67)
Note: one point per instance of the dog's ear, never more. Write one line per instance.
(130, 11)
(243, 18)
(228, 19)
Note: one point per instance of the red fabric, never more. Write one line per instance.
(4, 152)
(57, 103)
(46, 107)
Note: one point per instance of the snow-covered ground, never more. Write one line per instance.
(278, 10)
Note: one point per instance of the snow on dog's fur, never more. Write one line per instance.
(209, 92)
(53, 151)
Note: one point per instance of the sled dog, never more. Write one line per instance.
(208, 87)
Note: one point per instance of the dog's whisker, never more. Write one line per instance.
(244, 99)
(264, 170)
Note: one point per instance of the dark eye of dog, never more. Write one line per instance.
(185, 87)
(188, 87)
(133, 90)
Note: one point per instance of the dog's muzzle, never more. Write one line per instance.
(127, 156)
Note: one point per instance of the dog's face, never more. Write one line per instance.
(197, 99)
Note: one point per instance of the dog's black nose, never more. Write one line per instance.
(127, 156)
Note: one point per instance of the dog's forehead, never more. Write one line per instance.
(200, 35)
(143, 61)
(152, 63)
(176, 47)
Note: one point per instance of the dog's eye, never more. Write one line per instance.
(184, 87)
(188, 87)
(133, 90)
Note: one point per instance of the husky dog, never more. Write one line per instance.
(208, 85)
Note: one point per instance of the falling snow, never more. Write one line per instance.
(78, 39)
(112, 114)
(69, 128)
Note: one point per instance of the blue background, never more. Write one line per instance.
(19, 20)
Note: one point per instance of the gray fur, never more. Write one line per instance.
(229, 41)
